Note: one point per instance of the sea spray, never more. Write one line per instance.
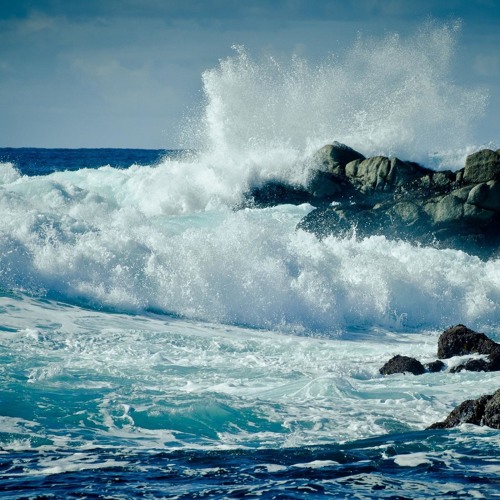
(166, 238)
(87, 237)
(392, 96)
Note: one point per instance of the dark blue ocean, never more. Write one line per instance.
(158, 342)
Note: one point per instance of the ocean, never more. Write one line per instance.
(158, 342)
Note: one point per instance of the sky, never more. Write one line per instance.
(126, 73)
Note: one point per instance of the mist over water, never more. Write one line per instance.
(392, 96)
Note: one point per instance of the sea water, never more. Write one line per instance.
(157, 342)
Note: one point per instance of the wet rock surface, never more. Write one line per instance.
(484, 410)
(397, 199)
(460, 340)
(402, 364)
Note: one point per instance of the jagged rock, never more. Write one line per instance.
(460, 340)
(434, 366)
(482, 166)
(482, 411)
(472, 365)
(335, 155)
(396, 199)
(402, 364)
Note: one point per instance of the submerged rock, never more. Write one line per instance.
(434, 366)
(482, 411)
(402, 364)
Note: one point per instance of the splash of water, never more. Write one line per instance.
(164, 238)
(392, 96)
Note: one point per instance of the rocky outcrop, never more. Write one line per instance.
(455, 341)
(397, 199)
(460, 341)
(402, 364)
(402, 200)
(482, 411)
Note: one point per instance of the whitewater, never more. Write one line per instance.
(158, 341)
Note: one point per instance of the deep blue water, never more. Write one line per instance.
(365, 469)
(42, 161)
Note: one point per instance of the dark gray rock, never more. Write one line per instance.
(274, 193)
(468, 412)
(472, 365)
(491, 416)
(482, 166)
(482, 411)
(434, 366)
(460, 340)
(324, 185)
(402, 364)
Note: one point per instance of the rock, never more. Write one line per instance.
(327, 176)
(323, 185)
(397, 199)
(402, 364)
(446, 209)
(460, 340)
(434, 366)
(478, 194)
(335, 155)
(472, 365)
(489, 196)
(491, 416)
(274, 193)
(383, 174)
(482, 166)
(482, 411)
(468, 412)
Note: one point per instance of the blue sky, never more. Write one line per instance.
(124, 73)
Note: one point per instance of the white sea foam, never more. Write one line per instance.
(412, 460)
(247, 388)
(98, 237)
